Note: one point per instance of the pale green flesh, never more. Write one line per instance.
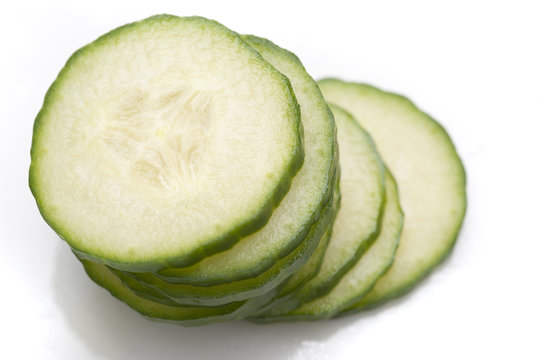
(146, 285)
(310, 189)
(358, 219)
(430, 177)
(368, 269)
(182, 315)
(170, 129)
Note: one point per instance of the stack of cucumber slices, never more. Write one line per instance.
(202, 176)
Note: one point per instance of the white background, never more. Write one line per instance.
(475, 66)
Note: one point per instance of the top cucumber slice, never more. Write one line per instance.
(430, 177)
(310, 190)
(162, 142)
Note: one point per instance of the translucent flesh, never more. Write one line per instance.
(163, 139)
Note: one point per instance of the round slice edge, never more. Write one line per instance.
(162, 142)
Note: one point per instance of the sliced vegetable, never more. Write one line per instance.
(162, 142)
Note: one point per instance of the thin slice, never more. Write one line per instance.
(162, 142)
(309, 193)
(187, 294)
(368, 269)
(358, 220)
(182, 315)
(430, 178)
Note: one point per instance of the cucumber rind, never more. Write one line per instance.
(177, 314)
(236, 291)
(178, 257)
(360, 278)
(224, 267)
(295, 283)
(307, 272)
(332, 271)
(346, 94)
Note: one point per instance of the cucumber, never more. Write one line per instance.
(368, 269)
(194, 172)
(358, 220)
(147, 285)
(430, 177)
(310, 190)
(182, 315)
(163, 142)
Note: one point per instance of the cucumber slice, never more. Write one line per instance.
(358, 220)
(182, 315)
(162, 142)
(429, 174)
(186, 294)
(309, 193)
(368, 269)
